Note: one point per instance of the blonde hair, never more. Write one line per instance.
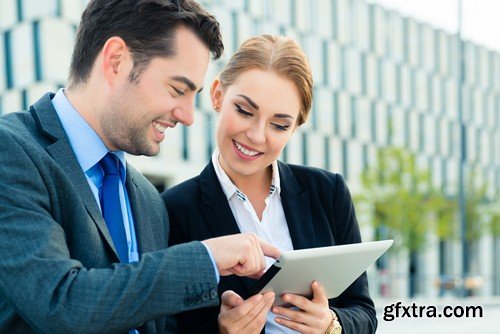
(279, 54)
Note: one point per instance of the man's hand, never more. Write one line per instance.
(244, 316)
(241, 254)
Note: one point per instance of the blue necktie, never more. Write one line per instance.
(110, 204)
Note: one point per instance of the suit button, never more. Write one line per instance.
(213, 294)
(205, 296)
(188, 300)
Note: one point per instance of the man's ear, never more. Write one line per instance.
(116, 60)
(216, 94)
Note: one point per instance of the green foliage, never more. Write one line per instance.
(400, 198)
(474, 209)
(492, 213)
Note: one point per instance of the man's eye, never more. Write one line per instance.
(179, 92)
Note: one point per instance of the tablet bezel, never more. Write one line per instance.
(293, 269)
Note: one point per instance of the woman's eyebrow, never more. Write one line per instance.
(283, 116)
(250, 101)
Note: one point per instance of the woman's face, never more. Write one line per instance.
(258, 114)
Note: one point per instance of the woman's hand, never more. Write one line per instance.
(313, 316)
(244, 316)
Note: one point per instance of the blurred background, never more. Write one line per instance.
(406, 108)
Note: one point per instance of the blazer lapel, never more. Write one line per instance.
(297, 208)
(60, 150)
(217, 212)
(214, 205)
(144, 233)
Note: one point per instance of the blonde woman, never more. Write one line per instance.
(262, 96)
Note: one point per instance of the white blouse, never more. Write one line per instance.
(273, 227)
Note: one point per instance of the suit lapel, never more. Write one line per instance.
(60, 150)
(214, 205)
(297, 208)
(144, 233)
(215, 209)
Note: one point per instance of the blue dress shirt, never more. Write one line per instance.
(89, 150)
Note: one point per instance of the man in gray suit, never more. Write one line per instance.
(136, 68)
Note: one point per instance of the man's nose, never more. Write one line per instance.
(185, 114)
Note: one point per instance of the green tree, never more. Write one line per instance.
(492, 212)
(401, 200)
(402, 204)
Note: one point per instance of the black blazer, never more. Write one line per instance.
(319, 212)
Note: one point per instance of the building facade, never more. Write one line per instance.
(381, 80)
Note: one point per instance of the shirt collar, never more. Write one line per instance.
(86, 143)
(230, 189)
(227, 185)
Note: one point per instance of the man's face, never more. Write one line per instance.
(138, 113)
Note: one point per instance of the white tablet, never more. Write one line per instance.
(335, 267)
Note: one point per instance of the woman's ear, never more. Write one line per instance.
(216, 94)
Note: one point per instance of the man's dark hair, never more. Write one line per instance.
(146, 26)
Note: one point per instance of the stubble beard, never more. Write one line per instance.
(126, 135)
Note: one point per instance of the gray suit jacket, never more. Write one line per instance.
(59, 271)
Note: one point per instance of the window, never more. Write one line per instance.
(209, 121)
(437, 97)
(451, 98)
(431, 140)
(398, 127)
(333, 69)
(294, 151)
(8, 14)
(336, 155)
(344, 114)
(363, 120)
(496, 69)
(395, 40)
(470, 63)
(427, 47)
(361, 26)
(185, 142)
(353, 76)
(388, 76)
(324, 22)
(342, 21)
(422, 90)
(411, 38)
(405, 85)
(382, 122)
(471, 144)
(33, 9)
(324, 110)
(326, 145)
(373, 121)
(443, 52)
(305, 149)
(436, 173)
(414, 131)
(371, 79)
(316, 151)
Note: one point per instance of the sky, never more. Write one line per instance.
(480, 18)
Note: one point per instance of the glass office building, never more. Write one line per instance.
(381, 80)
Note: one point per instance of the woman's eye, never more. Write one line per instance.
(280, 127)
(242, 111)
